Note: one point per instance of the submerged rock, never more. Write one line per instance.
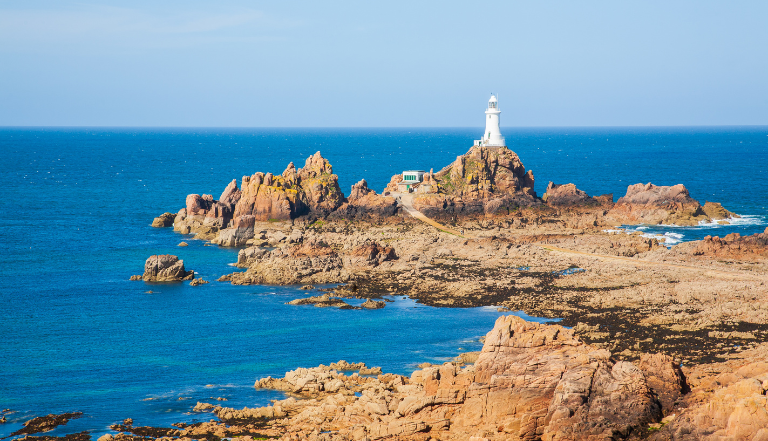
(46, 423)
(322, 301)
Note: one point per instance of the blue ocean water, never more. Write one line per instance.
(77, 335)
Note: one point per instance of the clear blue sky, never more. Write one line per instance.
(366, 64)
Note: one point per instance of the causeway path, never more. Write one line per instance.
(406, 199)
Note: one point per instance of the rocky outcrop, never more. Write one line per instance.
(651, 204)
(310, 261)
(239, 234)
(734, 246)
(164, 220)
(229, 220)
(728, 401)
(313, 188)
(530, 382)
(565, 195)
(165, 268)
(373, 304)
(717, 212)
(374, 253)
(364, 203)
(484, 181)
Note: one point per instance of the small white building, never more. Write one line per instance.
(492, 135)
(410, 179)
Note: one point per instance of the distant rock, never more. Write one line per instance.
(165, 268)
(652, 204)
(734, 246)
(183, 244)
(565, 195)
(164, 220)
(197, 282)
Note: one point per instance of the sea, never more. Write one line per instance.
(75, 214)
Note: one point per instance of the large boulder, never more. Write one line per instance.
(536, 381)
(565, 195)
(165, 268)
(652, 204)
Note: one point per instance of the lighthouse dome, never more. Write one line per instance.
(493, 99)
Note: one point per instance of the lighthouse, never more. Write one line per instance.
(492, 136)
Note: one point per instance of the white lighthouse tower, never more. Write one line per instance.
(492, 135)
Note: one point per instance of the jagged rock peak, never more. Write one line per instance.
(360, 190)
(315, 166)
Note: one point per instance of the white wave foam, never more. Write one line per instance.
(668, 238)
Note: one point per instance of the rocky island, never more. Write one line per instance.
(652, 341)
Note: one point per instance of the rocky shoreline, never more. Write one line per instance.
(530, 382)
(631, 311)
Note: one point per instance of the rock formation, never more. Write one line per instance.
(485, 180)
(364, 203)
(313, 188)
(165, 268)
(530, 382)
(716, 211)
(164, 220)
(565, 195)
(653, 204)
(262, 197)
(734, 246)
(311, 261)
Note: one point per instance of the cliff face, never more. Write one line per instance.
(485, 180)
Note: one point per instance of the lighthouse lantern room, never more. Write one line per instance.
(492, 136)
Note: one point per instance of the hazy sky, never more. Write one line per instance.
(412, 63)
